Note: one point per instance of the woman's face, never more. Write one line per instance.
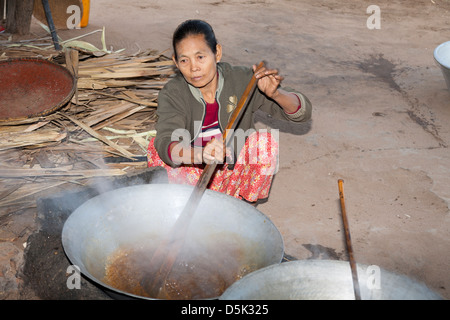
(197, 62)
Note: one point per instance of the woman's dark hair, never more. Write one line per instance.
(194, 27)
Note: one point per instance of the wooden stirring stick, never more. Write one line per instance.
(349, 242)
(167, 252)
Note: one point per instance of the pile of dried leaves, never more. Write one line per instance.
(103, 131)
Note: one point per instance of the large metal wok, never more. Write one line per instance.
(139, 216)
(325, 280)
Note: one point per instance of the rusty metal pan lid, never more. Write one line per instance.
(32, 87)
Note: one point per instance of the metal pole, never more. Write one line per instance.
(51, 25)
(348, 240)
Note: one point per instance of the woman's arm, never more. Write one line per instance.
(269, 82)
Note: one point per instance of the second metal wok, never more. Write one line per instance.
(325, 280)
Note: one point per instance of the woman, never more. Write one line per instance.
(195, 106)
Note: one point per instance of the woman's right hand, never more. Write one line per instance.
(214, 151)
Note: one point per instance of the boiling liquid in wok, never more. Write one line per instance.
(196, 274)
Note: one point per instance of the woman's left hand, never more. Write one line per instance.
(268, 81)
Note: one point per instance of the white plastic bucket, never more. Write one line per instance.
(442, 57)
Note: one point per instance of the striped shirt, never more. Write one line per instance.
(210, 126)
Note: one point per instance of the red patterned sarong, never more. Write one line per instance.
(250, 178)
